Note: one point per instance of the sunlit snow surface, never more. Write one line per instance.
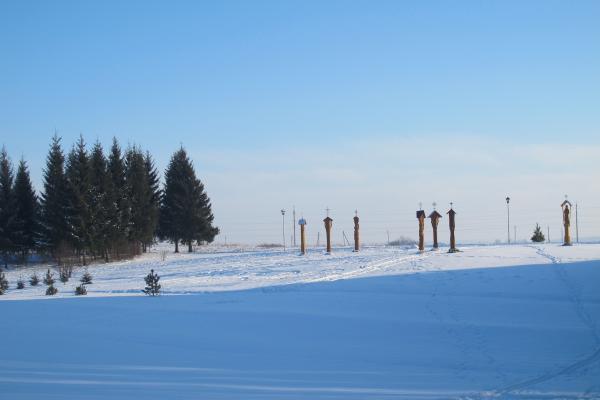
(518, 322)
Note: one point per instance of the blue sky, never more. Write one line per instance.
(280, 101)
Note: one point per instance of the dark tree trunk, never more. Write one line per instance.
(177, 246)
(190, 246)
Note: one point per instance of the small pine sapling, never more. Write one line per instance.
(538, 235)
(152, 285)
(20, 283)
(80, 290)
(64, 278)
(51, 291)
(49, 278)
(3, 283)
(86, 279)
(64, 273)
(34, 280)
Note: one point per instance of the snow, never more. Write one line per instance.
(218, 269)
(510, 322)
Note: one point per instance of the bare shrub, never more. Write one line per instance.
(269, 245)
(403, 241)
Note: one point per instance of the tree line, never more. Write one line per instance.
(97, 206)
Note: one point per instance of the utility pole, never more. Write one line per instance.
(508, 219)
(294, 223)
(283, 226)
(576, 224)
(388, 234)
(515, 241)
(548, 234)
(318, 237)
(346, 241)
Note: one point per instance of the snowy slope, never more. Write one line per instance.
(492, 322)
(236, 270)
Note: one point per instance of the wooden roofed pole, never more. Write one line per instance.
(421, 218)
(356, 231)
(302, 223)
(328, 223)
(566, 207)
(435, 219)
(451, 213)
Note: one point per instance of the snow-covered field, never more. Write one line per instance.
(509, 322)
(218, 269)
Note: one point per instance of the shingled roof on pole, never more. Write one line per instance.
(435, 217)
(435, 214)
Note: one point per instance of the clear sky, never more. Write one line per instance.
(372, 105)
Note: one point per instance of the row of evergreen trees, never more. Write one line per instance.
(94, 206)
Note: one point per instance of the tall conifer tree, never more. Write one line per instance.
(78, 187)
(118, 194)
(138, 195)
(100, 212)
(185, 214)
(54, 230)
(8, 220)
(153, 201)
(27, 211)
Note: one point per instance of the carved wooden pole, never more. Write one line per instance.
(435, 219)
(356, 235)
(421, 218)
(302, 222)
(566, 206)
(451, 215)
(328, 223)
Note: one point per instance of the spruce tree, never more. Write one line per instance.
(138, 195)
(54, 229)
(538, 235)
(34, 280)
(49, 281)
(152, 286)
(27, 211)
(98, 200)
(153, 202)
(8, 220)
(80, 290)
(185, 214)
(78, 187)
(86, 279)
(51, 290)
(49, 278)
(118, 199)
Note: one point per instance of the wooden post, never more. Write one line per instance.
(356, 236)
(451, 215)
(302, 222)
(328, 223)
(421, 218)
(566, 207)
(435, 219)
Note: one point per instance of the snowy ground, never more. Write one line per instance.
(514, 322)
(219, 269)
